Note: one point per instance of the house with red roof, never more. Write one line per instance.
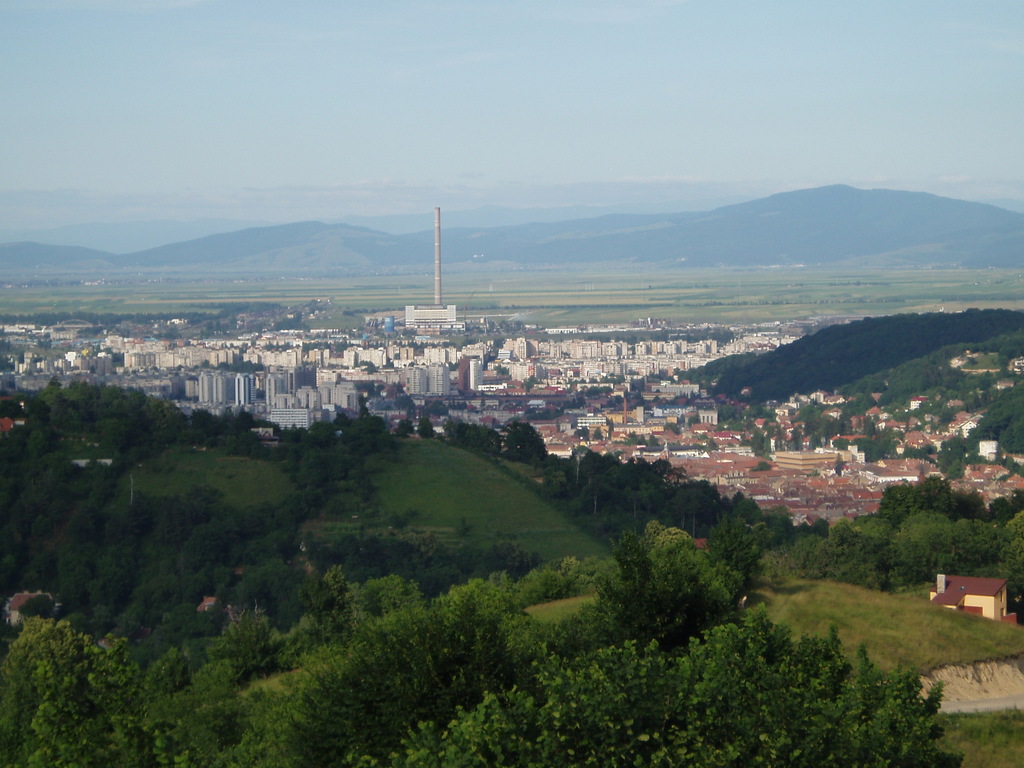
(973, 594)
(14, 604)
(208, 604)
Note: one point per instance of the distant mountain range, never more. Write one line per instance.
(833, 226)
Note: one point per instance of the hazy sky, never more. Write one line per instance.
(114, 110)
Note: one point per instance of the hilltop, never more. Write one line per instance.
(827, 226)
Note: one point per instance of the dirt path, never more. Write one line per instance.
(983, 705)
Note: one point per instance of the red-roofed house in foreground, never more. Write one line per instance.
(985, 597)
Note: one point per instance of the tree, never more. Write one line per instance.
(1013, 558)
(328, 605)
(425, 429)
(521, 442)
(248, 646)
(415, 664)
(664, 589)
(379, 597)
(67, 702)
(732, 544)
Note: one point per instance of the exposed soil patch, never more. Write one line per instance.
(981, 680)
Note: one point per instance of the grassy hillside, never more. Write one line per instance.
(896, 629)
(556, 610)
(458, 495)
(243, 482)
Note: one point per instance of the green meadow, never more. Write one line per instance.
(986, 739)
(461, 497)
(243, 482)
(898, 630)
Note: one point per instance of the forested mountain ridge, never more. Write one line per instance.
(827, 226)
(839, 355)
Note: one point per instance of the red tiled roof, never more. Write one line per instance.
(957, 587)
(20, 598)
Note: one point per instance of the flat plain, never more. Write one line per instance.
(552, 298)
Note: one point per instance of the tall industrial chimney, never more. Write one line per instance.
(437, 256)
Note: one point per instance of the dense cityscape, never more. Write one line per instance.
(619, 390)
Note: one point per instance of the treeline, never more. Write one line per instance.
(138, 562)
(661, 668)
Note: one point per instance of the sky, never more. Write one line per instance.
(141, 110)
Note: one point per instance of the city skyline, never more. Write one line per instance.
(124, 110)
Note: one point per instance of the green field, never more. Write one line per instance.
(552, 298)
(243, 482)
(461, 497)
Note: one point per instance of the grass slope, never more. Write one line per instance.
(898, 630)
(456, 494)
(243, 482)
(556, 610)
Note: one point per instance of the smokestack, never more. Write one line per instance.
(437, 256)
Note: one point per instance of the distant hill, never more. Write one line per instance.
(842, 354)
(126, 237)
(22, 258)
(827, 226)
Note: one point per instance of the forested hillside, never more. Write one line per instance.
(130, 514)
(841, 354)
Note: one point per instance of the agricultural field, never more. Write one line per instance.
(551, 298)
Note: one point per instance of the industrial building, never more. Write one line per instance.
(436, 317)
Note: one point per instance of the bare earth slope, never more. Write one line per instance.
(981, 686)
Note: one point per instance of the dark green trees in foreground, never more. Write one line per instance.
(744, 695)
(469, 679)
(661, 668)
